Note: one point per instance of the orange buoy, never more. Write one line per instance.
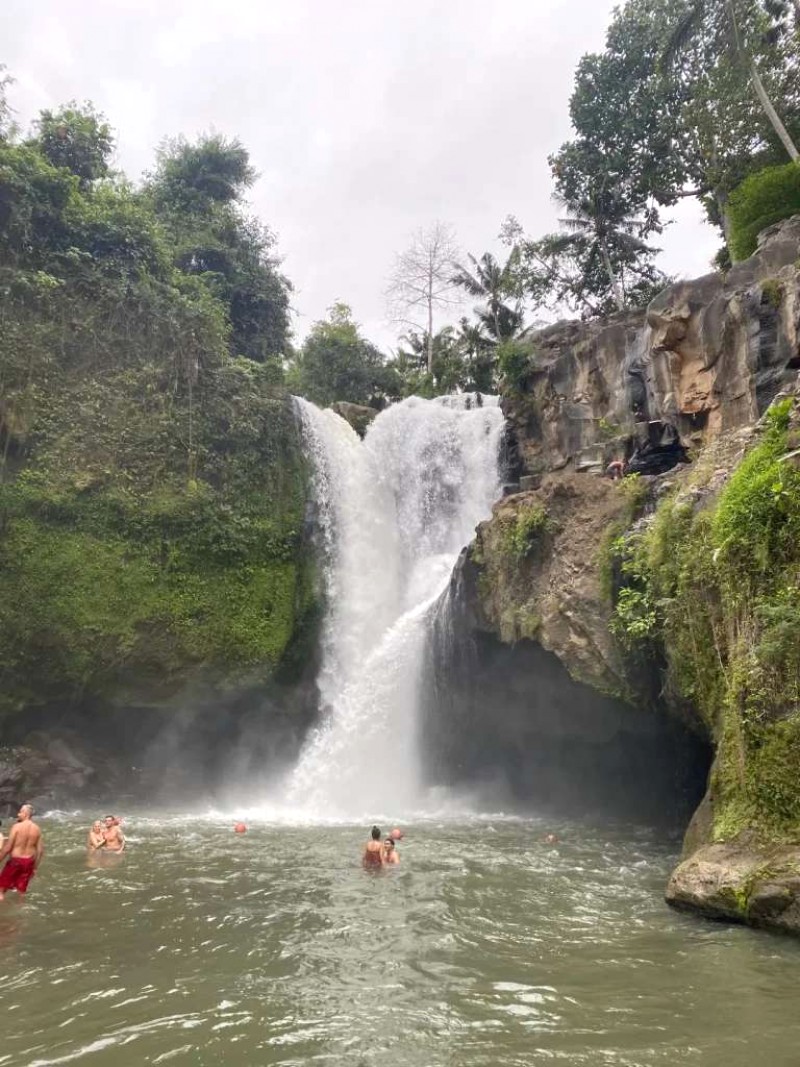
(240, 828)
(397, 835)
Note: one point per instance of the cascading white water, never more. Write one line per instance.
(394, 512)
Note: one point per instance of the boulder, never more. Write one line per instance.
(741, 883)
(358, 415)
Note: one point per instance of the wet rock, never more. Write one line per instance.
(707, 356)
(45, 771)
(760, 887)
(358, 415)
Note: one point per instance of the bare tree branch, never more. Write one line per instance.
(421, 279)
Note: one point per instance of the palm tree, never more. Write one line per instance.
(494, 283)
(599, 226)
(700, 12)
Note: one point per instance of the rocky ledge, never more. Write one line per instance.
(680, 395)
(741, 883)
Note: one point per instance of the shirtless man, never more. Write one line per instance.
(112, 835)
(373, 853)
(24, 849)
(390, 854)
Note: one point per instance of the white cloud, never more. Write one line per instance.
(365, 118)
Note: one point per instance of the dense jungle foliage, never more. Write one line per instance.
(152, 485)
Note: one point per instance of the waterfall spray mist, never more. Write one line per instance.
(393, 511)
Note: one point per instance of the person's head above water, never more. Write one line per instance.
(376, 833)
(389, 843)
(25, 812)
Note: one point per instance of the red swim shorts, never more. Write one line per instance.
(17, 872)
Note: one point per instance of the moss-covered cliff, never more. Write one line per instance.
(679, 586)
(153, 487)
(124, 571)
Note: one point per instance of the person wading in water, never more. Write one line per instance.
(373, 853)
(391, 856)
(96, 838)
(24, 849)
(114, 841)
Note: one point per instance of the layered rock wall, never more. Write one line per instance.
(678, 394)
(706, 357)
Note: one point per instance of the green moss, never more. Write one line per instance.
(634, 489)
(609, 558)
(772, 292)
(115, 565)
(714, 593)
(764, 198)
(525, 535)
(607, 430)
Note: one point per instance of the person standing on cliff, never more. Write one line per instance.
(24, 850)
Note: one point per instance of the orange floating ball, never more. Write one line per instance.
(240, 828)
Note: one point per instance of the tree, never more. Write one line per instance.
(599, 229)
(495, 284)
(421, 281)
(336, 363)
(6, 124)
(78, 138)
(212, 170)
(597, 264)
(197, 191)
(724, 20)
(690, 128)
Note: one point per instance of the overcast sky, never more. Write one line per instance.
(366, 119)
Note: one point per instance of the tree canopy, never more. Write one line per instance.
(336, 363)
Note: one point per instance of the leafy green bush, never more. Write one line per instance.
(764, 198)
(514, 362)
(526, 534)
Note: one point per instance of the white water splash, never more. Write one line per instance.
(394, 511)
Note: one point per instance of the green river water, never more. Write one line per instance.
(485, 947)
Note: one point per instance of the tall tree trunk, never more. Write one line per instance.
(721, 198)
(430, 330)
(760, 91)
(772, 114)
(616, 289)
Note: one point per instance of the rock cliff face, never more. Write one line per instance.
(603, 573)
(706, 357)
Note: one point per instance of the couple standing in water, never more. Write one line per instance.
(379, 853)
(106, 836)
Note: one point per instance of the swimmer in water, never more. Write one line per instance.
(96, 838)
(112, 835)
(373, 852)
(24, 849)
(391, 857)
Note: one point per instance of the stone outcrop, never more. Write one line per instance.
(358, 415)
(706, 357)
(742, 884)
(545, 584)
(676, 393)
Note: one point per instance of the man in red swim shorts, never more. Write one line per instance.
(24, 849)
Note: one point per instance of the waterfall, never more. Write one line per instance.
(394, 511)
